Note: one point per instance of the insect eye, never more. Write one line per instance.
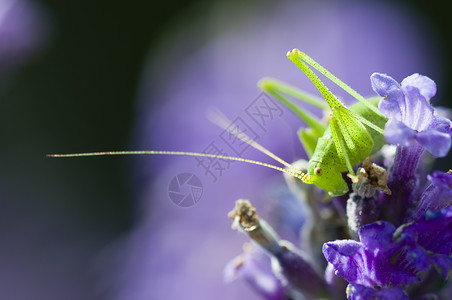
(318, 171)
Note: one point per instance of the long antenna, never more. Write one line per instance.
(222, 121)
(218, 118)
(295, 172)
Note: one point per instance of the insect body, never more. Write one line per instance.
(353, 133)
(327, 163)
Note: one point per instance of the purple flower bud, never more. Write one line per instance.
(254, 267)
(298, 271)
(437, 195)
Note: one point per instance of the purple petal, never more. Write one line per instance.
(392, 106)
(425, 85)
(346, 257)
(391, 109)
(432, 242)
(385, 85)
(369, 266)
(441, 124)
(435, 142)
(377, 238)
(414, 261)
(377, 235)
(434, 231)
(397, 133)
(441, 180)
(419, 112)
(359, 292)
(358, 265)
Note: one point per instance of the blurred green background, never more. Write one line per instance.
(75, 95)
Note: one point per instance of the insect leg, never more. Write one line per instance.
(340, 144)
(368, 123)
(356, 136)
(308, 139)
(296, 55)
(272, 85)
(351, 138)
(281, 91)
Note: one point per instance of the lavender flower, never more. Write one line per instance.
(411, 117)
(414, 127)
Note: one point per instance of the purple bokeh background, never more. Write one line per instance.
(177, 253)
(23, 30)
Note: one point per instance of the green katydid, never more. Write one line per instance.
(346, 141)
(353, 133)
